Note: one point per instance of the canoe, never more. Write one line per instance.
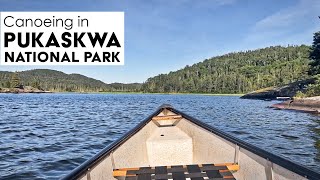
(170, 144)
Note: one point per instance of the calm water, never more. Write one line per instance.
(44, 136)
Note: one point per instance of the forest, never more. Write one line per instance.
(239, 72)
(57, 81)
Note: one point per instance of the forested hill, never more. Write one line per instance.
(56, 81)
(239, 72)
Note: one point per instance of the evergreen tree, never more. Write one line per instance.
(315, 55)
(7, 84)
(36, 83)
(15, 80)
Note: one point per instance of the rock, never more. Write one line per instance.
(287, 91)
(310, 105)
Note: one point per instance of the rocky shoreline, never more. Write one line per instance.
(24, 89)
(309, 105)
(286, 91)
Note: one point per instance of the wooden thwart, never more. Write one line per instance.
(198, 171)
(234, 167)
(168, 117)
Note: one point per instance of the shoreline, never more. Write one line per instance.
(24, 90)
(93, 92)
(205, 94)
(307, 105)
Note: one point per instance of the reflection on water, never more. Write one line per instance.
(47, 135)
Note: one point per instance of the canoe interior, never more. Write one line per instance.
(182, 142)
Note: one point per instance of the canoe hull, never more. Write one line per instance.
(182, 142)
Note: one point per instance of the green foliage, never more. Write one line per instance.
(300, 94)
(15, 80)
(315, 55)
(240, 72)
(7, 84)
(313, 89)
(36, 83)
(57, 81)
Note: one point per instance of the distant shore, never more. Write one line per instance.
(25, 89)
(205, 94)
(35, 90)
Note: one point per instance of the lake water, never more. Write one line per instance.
(44, 136)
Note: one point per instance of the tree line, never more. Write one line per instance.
(57, 81)
(239, 72)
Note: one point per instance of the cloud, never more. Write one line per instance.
(286, 24)
(290, 16)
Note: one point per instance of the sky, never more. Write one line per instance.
(166, 35)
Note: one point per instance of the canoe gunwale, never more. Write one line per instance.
(287, 164)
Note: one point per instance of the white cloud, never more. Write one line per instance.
(289, 25)
(289, 16)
